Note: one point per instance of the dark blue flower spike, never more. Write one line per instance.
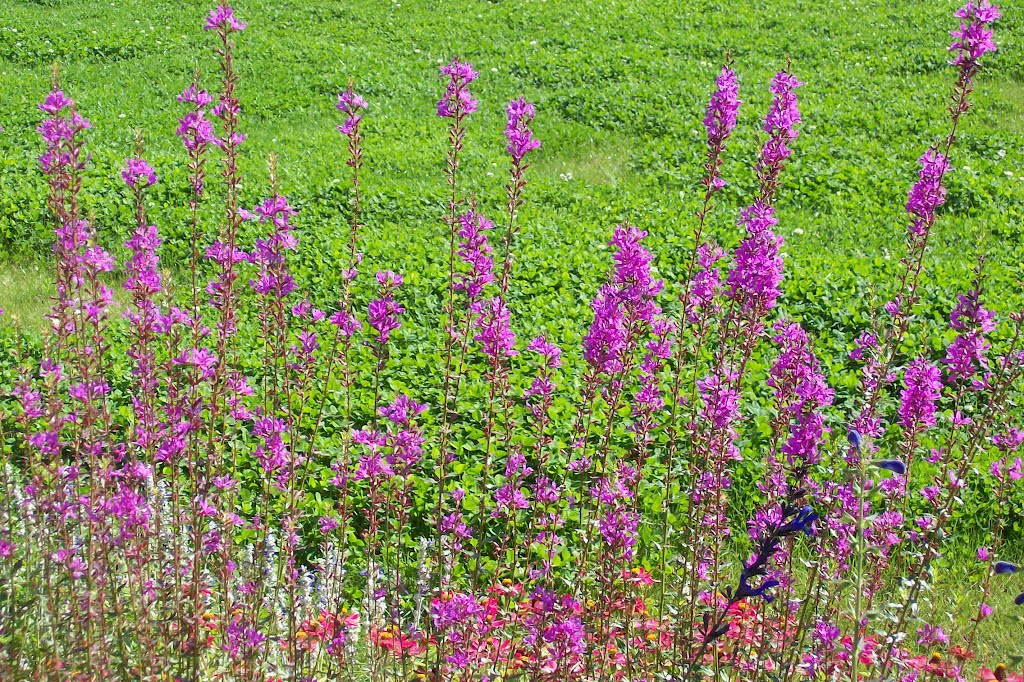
(893, 465)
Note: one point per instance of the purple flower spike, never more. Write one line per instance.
(757, 271)
(223, 19)
(720, 119)
(928, 193)
(780, 124)
(917, 401)
(384, 311)
(476, 253)
(520, 137)
(853, 438)
(893, 465)
(494, 332)
(55, 102)
(974, 38)
(193, 95)
(783, 114)
(457, 101)
(353, 106)
(137, 171)
(143, 274)
(1004, 567)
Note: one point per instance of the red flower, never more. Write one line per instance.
(999, 674)
(961, 654)
(397, 642)
(933, 665)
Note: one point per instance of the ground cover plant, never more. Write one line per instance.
(238, 483)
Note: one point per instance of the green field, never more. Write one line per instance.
(620, 89)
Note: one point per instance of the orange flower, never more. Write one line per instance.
(961, 654)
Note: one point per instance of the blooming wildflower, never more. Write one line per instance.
(780, 124)
(934, 666)
(928, 193)
(893, 465)
(790, 521)
(969, 314)
(396, 642)
(346, 322)
(476, 253)
(865, 342)
(352, 105)
(707, 281)
(136, 171)
(269, 254)
(801, 390)
(999, 674)
(195, 130)
(56, 102)
(721, 401)
(930, 635)
(457, 100)
(384, 310)
(720, 119)
(223, 19)
(402, 410)
(923, 383)
(551, 353)
(966, 361)
(520, 136)
(494, 333)
(973, 39)
(619, 530)
(143, 275)
(619, 305)
(756, 274)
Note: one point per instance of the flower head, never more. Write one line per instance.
(193, 95)
(384, 310)
(894, 465)
(973, 38)
(720, 119)
(520, 136)
(457, 100)
(56, 101)
(923, 383)
(353, 106)
(780, 124)
(756, 275)
(223, 19)
(928, 193)
(137, 171)
(476, 253)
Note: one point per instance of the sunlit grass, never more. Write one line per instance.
(25, 293)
